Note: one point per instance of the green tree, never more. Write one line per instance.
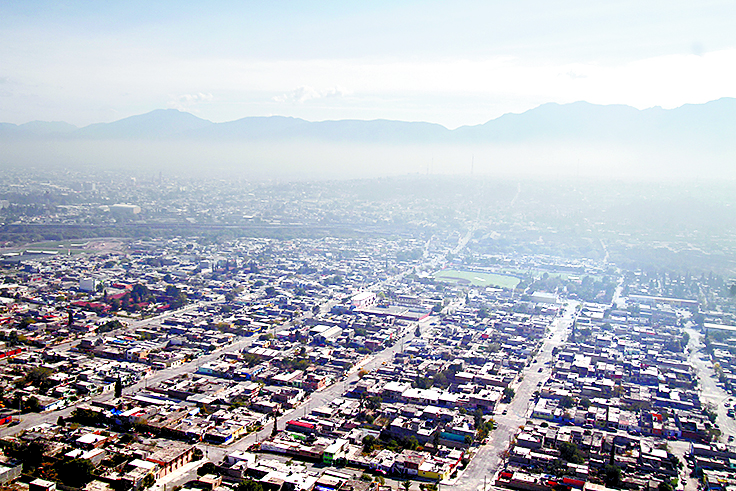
(275, 429)
(249, 485)
(612, 476)
(570, 453)
(373, 402)
(369, 444)
(207, 468)
(76, 472)
(30, 454)
(567, 402)
(148, 481)
(508, 394)
(32, 405)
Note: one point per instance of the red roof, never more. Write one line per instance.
(301, 424)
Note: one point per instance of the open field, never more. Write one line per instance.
(477, 279)
(74, 246)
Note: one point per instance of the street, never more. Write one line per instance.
(481, 470)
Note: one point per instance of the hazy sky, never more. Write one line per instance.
(453, 63)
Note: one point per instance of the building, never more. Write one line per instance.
(9, 471)
(41, 485)
(335, 452)
(363, 300)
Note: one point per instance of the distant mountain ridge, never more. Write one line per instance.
(695, 141)
(713, 122)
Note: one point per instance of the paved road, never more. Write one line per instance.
(482, 468)
(32, 419)
(216, 453)
(709, 391)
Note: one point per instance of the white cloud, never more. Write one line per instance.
(186, 102)
(304, 93)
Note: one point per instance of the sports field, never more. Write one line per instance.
(477, 279)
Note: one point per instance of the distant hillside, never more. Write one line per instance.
(160, 123)
(558, 139)
(37, 128)
(713, 121)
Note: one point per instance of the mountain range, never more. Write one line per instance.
(714, 120)
(581, 129)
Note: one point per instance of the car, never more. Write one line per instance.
(505, 411)
(730, 438)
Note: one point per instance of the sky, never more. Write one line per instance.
(453, 63)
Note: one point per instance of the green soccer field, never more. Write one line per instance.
(477, 279)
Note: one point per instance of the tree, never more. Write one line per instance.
(118, 388)
(369, 444)
(76, 472)
(567, 402)
(508, 394)
(665, 486)
(207, 468)
(249, 485)
(373, 402)
(478, 418)
(172, 291)
(31, 454)
(570, 453)
(612, 476)
(121, 485)
(197, 454)
(148, 481)
(32, 405)
(406, 485)
(60, 421)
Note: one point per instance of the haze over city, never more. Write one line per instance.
(367, 246)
